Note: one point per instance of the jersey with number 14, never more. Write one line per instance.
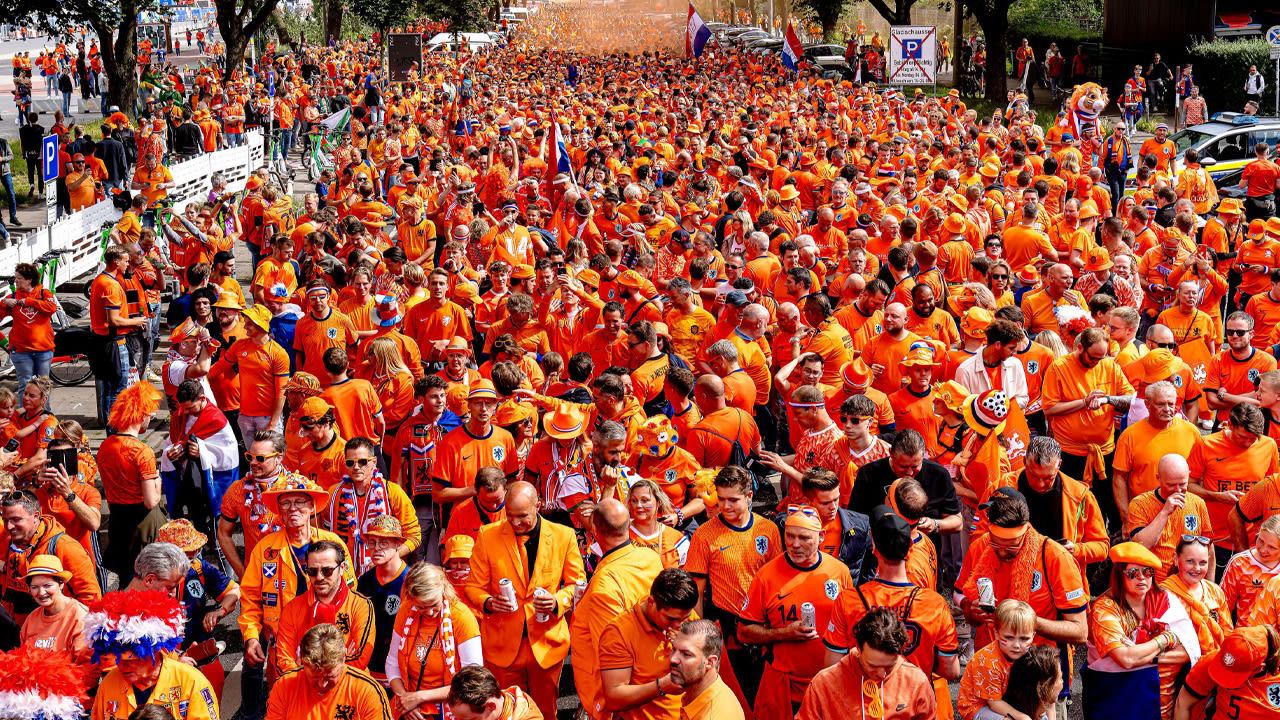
(775, 598)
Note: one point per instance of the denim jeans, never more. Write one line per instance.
(7, 180)
(286, 144)
(235, 139)
(31, 364)
(66, 104)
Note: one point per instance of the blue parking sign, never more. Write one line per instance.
(49, 158)
(912, 48)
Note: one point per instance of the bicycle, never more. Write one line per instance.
(278, 164)
(70, 365)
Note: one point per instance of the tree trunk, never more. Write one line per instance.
(120, 61)
(237, 42)
(278, 20)
(997, 50)
(828, 28)
(333, 20)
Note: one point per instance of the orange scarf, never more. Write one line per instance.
(1208, 630)
(1020, 570)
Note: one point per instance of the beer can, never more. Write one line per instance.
(541, 616)
(807, 617)
(579, 588)
(508, 592)
(986, 595)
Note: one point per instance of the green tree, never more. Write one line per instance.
(115, 22)
(899, 14)
(238, 20)
(383, 15)
(826, 12)
(461, 15)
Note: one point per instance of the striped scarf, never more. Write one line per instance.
(257, 510)
(346, 518)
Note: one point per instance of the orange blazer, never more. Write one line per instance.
(558, 567)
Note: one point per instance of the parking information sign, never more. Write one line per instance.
(49, 171)
(913, 54)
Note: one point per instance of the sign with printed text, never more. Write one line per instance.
(913, 54)
(49, 158)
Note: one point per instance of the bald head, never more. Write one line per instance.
(1159, 335)
(711, 386)
(611, 523)
(521, 494)
(1173, 473)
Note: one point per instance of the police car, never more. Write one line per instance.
(1225, 144)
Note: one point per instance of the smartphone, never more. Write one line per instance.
(65, 458)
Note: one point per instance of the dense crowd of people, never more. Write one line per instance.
(760, 394)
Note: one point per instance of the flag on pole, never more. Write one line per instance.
(557, 162)
(791, 48)
(697, 34)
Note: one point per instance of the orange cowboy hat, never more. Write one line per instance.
(919, 354)
(182, 533)
(951, 393)
(511, 413)
(46, 566)
(291, 483)
(856, 373)
(1089, 210)
(385, 526)
(458, 344)
(565, 422)
(1029, 275)
(305, 383)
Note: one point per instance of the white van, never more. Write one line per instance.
(472, 42)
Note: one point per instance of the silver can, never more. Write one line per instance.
(579, 589)
(986, 595)
(541, 616)
(808, 618)
(507, 590)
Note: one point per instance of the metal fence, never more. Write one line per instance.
(81, 232)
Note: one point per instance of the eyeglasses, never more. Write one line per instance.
(325, 572)
(1164, 346)
(999, 277)
(1196, 539)
(1238, 333)
(361, 462)
(292, 504)
(260, 458)
(1139, 572)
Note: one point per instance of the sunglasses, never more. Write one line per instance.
(325, 572)
(854, 418)
(260, 458)
(1196, 539)
(360, 462)
(1237, 333)
(1165, 346)
(1139, 572)
(805, 510)
(999, 277)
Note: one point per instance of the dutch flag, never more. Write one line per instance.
(697, 34)
(557, 163)
(791, 49)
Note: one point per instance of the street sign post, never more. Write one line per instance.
(1273, 38)
(49, 171)
(913, 55)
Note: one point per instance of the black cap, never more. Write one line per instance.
(1010, 492)
(890, 533)
(682, 237)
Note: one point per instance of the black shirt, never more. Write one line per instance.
(1045, 508)
(872, 486)
(531, 545)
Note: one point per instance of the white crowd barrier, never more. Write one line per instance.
(81, 232)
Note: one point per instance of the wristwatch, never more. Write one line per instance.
(70, 497)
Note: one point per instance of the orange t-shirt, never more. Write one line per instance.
(106, 292)
(355, 404)
(125, 462)
(262, 370)
(1221, 465)
(324, 465)
(1140, 447)
(778, 590)
(633, 642)
(728, 557)
(922, 608)
(1068, 380)
(1257, 699)
(460, 456)
(986, 677)
(313, 337)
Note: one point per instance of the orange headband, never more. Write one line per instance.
(1008, 533)
(803, 516)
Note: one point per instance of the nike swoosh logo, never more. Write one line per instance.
(466, 458)
(783, 595)
(726, 547)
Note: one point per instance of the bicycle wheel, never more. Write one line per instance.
(6, 363)
(69, 370)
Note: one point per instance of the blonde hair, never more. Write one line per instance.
(1271, 525)
(1015, 615)
(44, 383)
(384, 357)
(7, 398)
(1053, 342)
(414, 274)
(322, 647)
(659, 498)
(428, 583)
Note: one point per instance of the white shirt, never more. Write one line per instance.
(1254, 83)
(972, 374)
